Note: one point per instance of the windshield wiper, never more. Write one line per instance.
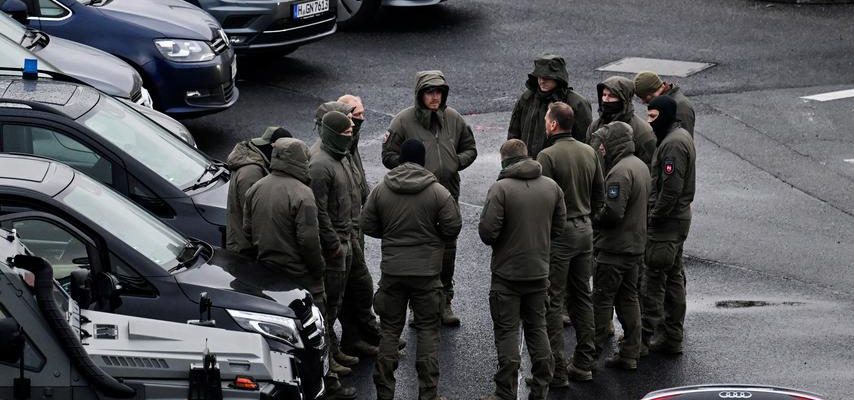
(187, 256)
(213, 168)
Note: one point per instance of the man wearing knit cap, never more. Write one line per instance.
(332, 183)
(248, 162)
(649, 86)
(450, 147)
(548, 83)
(615, 104)
(673, 186)
(414, 216)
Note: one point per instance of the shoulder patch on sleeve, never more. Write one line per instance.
(668, 166)
(385, 137)
(613, 190)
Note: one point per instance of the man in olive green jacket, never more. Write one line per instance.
(450, 147)
(523, 212)
(548, 83)
(648, 85)
(620, 241)
(673, 186)
(248, 162)
(413, 215)
(615, 104)
(576, 169)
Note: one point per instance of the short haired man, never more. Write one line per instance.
(648, 85)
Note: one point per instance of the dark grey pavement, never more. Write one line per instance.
(774, 212)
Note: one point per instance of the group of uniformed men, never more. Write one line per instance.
(576, 199)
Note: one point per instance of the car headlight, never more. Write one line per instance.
(276, 327)
(184, 50)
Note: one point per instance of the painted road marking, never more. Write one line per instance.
(661, 67)
(849, 160)
(841, 94)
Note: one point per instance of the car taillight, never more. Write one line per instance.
(245, 383)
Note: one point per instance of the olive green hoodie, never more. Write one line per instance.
(413, 215)
(449, 150)
(621, 224)
(523, 212)
(576, 169)
(684, 109)
(247, 164)
(673, 179)
(281, 215)
(644, 139)
(527, 121)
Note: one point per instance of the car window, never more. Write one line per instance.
(64, 251)
(34, 360)
(146, 142)
(48, 143)
(51, 9)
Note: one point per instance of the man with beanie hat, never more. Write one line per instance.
(359, 327)
(414, 216)
(649, 86)
(615, 104)
(523, 212)
(548, 83)
(673, 186)
(332, 183)
(619, 244)
(450, 147)
(248, 162)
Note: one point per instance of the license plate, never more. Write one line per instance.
(305, 10)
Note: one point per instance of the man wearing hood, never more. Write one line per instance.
(248, 162)
(548, 83)
(615, 104)
(520, 236)
(280, 221)
(648, 85)
(576, 169)
(673, 185)
(450, 148)
(332, 183)
(619, 243)
(413, 215)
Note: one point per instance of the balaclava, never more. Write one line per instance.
(666, 107)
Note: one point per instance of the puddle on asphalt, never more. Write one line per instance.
(754, 303)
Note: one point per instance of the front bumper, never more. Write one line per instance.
(194, 89)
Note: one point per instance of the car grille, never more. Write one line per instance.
(219, 45)
(136, 95)
(291, 31)
(221, 94)
(228, 90)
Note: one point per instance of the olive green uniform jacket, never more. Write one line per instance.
(673, 180)
(527, 121)
(576, 168)
(247, 165)
(523, 212)
(450, 149)
(642, 133)
(413, 215)
(333, 186)
(684, 109)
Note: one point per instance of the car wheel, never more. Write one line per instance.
(355, 13)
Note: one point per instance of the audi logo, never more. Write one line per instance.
(735, 395)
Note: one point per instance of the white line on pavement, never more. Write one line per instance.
(841, 94)
(849, 160)
(471, 205)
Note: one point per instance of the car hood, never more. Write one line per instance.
(237, 282)
(176, 19)
(97, 68)
(212, 203)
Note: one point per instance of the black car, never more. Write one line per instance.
(731, 392)
(150, 270)
(119, 147)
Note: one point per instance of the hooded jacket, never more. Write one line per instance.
(281, 216)
(621, 224)
(684, 109)
(247, 164)
(527, 121)
(644, 139)
(449, 150)
(333, 186)
(523, 212)
(576, 169)
(673, 179)
(413, 215)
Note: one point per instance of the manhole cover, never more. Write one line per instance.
(753, 303)
(659, 66)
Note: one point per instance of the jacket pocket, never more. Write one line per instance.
(660, 255)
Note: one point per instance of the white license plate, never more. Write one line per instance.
(304, 10)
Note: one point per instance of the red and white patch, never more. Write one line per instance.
(668, 167)
(385, 137)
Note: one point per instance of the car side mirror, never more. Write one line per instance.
(12, 339)
(17, 10)
(106, 291)
(80, 287)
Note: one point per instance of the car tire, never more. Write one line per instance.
(356, 13)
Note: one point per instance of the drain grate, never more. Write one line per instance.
(753, 303)
(660, 66)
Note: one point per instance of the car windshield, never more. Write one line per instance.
(124, 219)
(146, 142)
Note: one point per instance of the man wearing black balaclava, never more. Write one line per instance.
(615, 104)
(673, 183)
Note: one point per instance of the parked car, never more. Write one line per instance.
(119, 147)
(182, 53)
(110, 355)
(272, 27)
(146, 269)
(734, 392)
(354, 13)
(103, 71)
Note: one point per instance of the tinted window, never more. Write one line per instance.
(50, 9)
(48, 143)
(60, 248)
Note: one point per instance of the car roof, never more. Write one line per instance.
(33, 173)
(67, 98)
